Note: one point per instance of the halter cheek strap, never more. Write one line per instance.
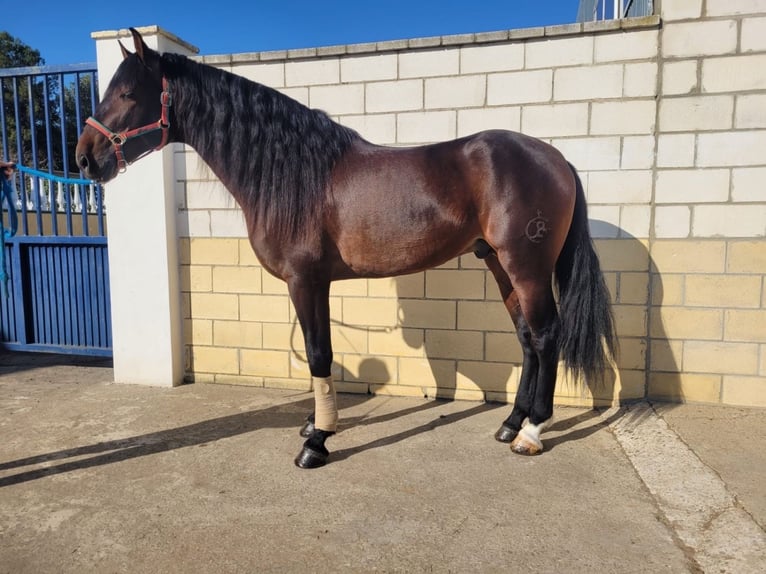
(119, 139)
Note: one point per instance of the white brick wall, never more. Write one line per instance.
(665, 124)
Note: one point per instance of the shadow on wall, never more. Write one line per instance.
(644, 367)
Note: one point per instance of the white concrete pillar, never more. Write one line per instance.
(143, 244)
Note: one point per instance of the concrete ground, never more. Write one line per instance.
(99, 477)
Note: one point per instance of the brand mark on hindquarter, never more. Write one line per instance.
(537, 228)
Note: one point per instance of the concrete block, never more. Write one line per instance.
(751, 111)
(687, 323)
(214, 306)
(497, 58)
(246, 253)
(398, 343)
(559, 52)
(454, 344)
(519, 87)
(753, 35)
(731, 148)
(679, 77)
(588, 83)
(264, 308)
(699, 38)
(268, 73)
(748, 184)
(696, 113)
(747, 391)
(734, 74)
(503, 348)
(198, 332)
(681, 10)
(457, 284)
(394, 96)
(675, 150)
(727, 7)
(692, 186)
(483, 316)
(666, 356)
(377, 128)
(263, 363)
(746, 257)
(633, 45)
(685, 387)
(672, 221)
(211, 251)
(689, 256)
(370, 312)
(591, 153)
(623, 255)
(237, 334)
(429, 63)
(426, 127)
(312, 72)
(281, 337)
(745, 325)
(193, 223)
(227, 223)
(635, 221)
(215, 360)
(630, 320)
(337, 100)
(457, 92)
(236, 279)
(624, 117)
(622, 187)
(668, 289)
(637, 152)
(369, 68)
(426, 313)
(555, 120)
(475, 120)
(196, 278)
(731, 291)
(604, 221)
(729, 220)
(640, 80)
(208, 195)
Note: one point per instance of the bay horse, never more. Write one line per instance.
(322, 204)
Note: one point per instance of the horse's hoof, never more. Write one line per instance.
(307, 429)
(526, 445)
(310, 458)
(505, 434)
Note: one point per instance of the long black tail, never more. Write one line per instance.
(587, 325)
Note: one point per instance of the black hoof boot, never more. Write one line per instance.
(310, 458)
(505, 434)
(307, 428)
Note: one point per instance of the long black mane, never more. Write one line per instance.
(273, 153)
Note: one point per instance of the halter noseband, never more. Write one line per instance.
(119, 139)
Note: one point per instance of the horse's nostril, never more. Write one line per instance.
(82, 161)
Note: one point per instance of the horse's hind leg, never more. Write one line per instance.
(539, 311)
(311, 300)
(528, 381)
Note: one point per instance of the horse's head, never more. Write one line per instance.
(132, 118)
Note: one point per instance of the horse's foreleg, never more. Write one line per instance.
(311, 300)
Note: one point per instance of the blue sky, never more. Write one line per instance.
(60, 30)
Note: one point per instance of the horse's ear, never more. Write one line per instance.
(138, 42)
(124, 50)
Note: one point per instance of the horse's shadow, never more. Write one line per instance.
(644, 366)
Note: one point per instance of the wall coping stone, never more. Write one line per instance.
(644, 22)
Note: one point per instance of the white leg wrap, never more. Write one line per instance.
(325, 407)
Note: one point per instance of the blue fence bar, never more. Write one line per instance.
(58, 262)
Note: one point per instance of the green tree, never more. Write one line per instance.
(30, 94)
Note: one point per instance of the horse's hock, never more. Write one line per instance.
(664, 117)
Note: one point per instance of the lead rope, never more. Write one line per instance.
(6, 194)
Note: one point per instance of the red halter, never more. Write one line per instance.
(118, 139)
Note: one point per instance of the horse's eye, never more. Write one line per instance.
(127, 95)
